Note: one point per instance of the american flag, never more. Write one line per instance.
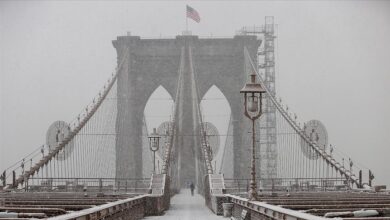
(193, 14)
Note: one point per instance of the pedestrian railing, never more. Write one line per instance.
(214, 192)
(154, 202)
(241, 208)
(122, 209)
(122, 185)
(286, 184)
(254, 210)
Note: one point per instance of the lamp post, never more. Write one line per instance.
(253, 109)
(154, 144)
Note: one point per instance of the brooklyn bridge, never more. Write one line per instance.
(108, 164)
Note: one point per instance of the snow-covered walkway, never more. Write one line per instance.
(187, 207)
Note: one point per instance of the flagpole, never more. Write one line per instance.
(186, 21)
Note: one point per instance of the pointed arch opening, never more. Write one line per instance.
(216, 111)
(158, 108)
(157, 113)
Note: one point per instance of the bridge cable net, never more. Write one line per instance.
(204, 152)
(170, 164)
(83, 153)
(227, 154)
(301, 161)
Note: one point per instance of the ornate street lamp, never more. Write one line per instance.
(154, 144)
(253, 109)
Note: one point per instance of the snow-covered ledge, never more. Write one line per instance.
(271, 211)
(107, 210)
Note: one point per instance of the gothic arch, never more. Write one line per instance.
(153, 62)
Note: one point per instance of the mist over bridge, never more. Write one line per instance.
(104, 150)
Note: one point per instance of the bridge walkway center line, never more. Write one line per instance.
(187, 207)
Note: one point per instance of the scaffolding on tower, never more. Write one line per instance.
(267, 163)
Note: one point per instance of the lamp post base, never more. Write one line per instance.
(252, 194)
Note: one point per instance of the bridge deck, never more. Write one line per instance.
(186, 207)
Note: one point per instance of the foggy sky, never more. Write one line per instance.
(332, 63)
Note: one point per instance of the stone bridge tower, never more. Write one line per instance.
(154, 62)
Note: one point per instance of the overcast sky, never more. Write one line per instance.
(333, 63)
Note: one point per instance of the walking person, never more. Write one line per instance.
(192, 187)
